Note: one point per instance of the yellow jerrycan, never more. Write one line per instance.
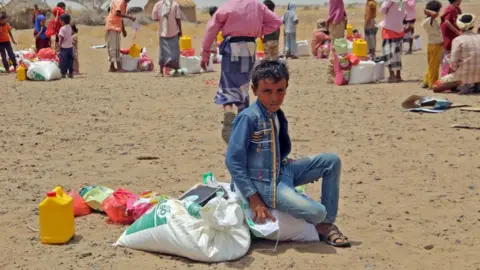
(360, 48)
(57, 224)
(349, 30)
(135, 51)
(21, 73)
(260, 47)
(185, 42)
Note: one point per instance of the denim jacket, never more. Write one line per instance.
(252, 159)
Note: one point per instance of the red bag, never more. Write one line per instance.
(47, 54)
(125, 51)
(54, 25)
(80, 207)
(116, 207)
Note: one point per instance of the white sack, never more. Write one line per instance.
(43, 71)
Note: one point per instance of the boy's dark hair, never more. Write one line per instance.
(270, 4)
(452, 1)
(355, 31)
(74, 28)
(65, 18)
(61, 5)
(3, 15)
(212, 10)
(269, 70)
(434, 6)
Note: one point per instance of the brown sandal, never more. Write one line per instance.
(333, 235)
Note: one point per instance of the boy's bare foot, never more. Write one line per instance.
(398, 79)
(392, 79)
(64, 76)
(425, 86)
(70, 76)
(330, 234)
(228, 117)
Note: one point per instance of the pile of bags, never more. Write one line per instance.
(208, 223)
(39, 66)
(136, 59)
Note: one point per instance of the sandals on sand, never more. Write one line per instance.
(334, 235)
(228, 118)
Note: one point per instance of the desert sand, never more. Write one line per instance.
(409, 180)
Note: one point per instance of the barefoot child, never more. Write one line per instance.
(65, 36)
(271, 41)
(167, 13)
(41, 39)
(241, 22)
(290, 20)
(5, 45)
(392, 34)
(435, 43)
(257, 159)
(76, 65)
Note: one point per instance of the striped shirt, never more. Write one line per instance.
(465, 57)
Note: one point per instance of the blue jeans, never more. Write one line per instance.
(66, 60)
(308, 170)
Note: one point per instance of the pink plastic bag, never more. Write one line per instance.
(138, 206)
(145, 63)
(341, 67)
(116, 206)
(445, 65)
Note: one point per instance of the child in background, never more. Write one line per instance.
(271, 41)
(356, 34)
(213, 49)
(41, 39)
(5, 45)
(336, 24)
(76, 65)
(435, 43)
(290, 20)
(370, 26)
(392, 35)
(319, 37)
(409, 23)
(449, 25)
(56, 24)
(65, 42)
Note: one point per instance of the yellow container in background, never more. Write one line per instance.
(220, 37)
(349, 30)
(185, 42)
(135, 51)
(57, 224)
(260, 47)
(360, 48)
(21, 73)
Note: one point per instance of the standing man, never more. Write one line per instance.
(336, 24)
(409, 23)
(114, 26)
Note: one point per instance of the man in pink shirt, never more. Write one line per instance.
(409, 23)
(167, 13)
(241, 22)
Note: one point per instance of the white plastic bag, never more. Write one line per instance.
(219, 235)
(43, 71)
(362, 73)
(302, 48)
(416, 46)
(129, 63)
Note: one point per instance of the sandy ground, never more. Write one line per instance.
(409, 180)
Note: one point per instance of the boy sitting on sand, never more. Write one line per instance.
(257, 159)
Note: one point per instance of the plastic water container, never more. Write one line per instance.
(185, 43)
(260, 47)
(129, 63)
(341, 46)
(302, 48)
(349, 30)
(21, 73)
(135, 51)
(360, 48)
(379, 73)
(219, 37)
(57, 224)
(362, 73)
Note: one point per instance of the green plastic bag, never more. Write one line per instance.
(341, 46)
(95, 195)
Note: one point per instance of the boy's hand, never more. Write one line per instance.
(259, 210)
(124, 32)
(14, 42)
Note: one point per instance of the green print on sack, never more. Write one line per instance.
(156, 217)
(38, 76)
